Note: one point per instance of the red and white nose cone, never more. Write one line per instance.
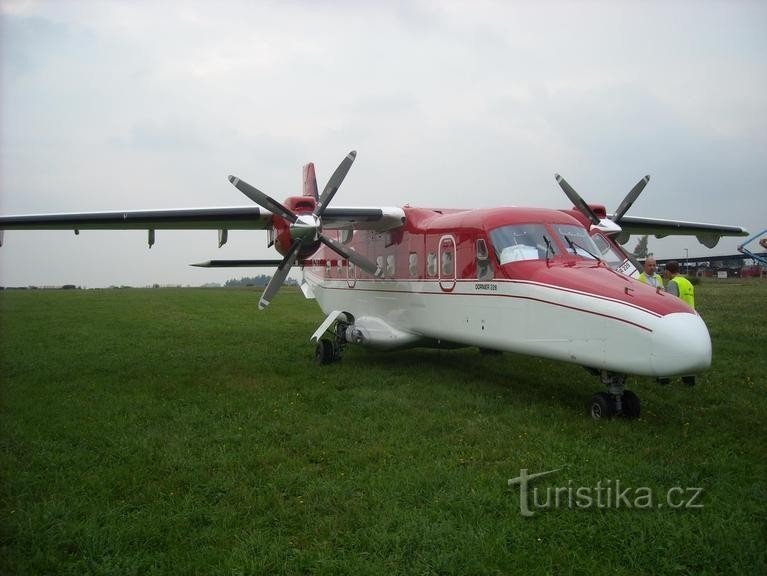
(680, 345)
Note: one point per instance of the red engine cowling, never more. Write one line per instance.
(283, 239)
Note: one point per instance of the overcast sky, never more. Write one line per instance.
(136, 105)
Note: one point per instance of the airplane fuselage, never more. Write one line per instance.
(467, 278)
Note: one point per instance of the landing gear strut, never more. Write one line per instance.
(616, 401)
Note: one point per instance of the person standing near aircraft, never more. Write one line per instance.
(649, 275)
(678, 285)
(682, 288)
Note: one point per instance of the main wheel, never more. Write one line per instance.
(601, 406)
(324, 353)
(630, 405)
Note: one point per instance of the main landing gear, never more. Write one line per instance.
(329, 349)
(617, 401)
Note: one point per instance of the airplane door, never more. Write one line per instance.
(447, 263)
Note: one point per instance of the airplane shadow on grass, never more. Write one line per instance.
(516, 378)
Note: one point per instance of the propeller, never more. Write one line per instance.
(577, 201)
(630, 198)
(305, 228)
(262, 199)
(334, 183)
(610, 225)
(279, 276)
(355, 257)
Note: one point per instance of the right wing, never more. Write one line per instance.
(231, 218)
(227, 218)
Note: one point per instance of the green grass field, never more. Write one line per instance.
(185, 432)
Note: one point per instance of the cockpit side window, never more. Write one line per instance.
(518, 242)
(484, 267)
(606, 251)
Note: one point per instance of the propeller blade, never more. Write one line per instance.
(335, 182)
(630, 198)
(575, 198)
(355, 257)
(279, 276)
(262, 199)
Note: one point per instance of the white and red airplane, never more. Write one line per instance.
(548, 283)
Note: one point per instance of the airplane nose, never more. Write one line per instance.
(681, 345)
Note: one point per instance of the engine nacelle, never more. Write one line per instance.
(285, 233)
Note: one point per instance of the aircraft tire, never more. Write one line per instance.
(631, 405)
(324, 353)
(601, 406)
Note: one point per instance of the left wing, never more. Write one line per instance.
(623, 226)
(707, 234)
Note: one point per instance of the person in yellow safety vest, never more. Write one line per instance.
(678, 285)
(682, 288)
(650, 276)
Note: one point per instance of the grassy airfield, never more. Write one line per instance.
(182, 431)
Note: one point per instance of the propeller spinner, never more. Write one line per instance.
(305, 229)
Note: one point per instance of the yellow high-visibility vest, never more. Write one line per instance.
(658, 279)
(686, 290)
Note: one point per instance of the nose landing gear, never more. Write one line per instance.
(617, 401)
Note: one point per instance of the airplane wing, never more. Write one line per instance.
(228, 218)
(355, 218)
(232, 218)
(707, 234)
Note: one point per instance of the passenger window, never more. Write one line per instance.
(328, 266)
(412, 264)
(484, 267)
(390, 265)
(431, 264)
(380, 263)
(447, 263)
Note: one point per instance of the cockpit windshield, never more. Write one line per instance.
(577, 240)
(518, 242)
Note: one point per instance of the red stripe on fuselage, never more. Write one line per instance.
(320, 280)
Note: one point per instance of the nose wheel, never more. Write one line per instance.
(617, 401)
